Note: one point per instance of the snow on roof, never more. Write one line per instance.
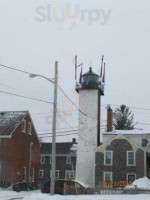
(141, 183)
(127, 132)
(74, 147)
(83, 184)
(9, 120)
(59, 139)
(61, 148)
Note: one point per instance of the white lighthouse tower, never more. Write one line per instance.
(90, 92)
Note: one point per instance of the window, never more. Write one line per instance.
(130, 158)
(108, 156)
(24, 173)
(47, 159)
(144, 142)
(41, 173)
(24, 126)
(56, 173)
(69, 174)
(32, 175)
(68, 160)
(131, 177)
(42, 159)
(29, 128)
(107, 176)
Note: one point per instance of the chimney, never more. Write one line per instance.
(109, 119)
(73, 140)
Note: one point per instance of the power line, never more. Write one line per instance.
(137, 108)
(78, 133)
(15, 90)
(73, 103)
(59, 135)
(58, 132)
(12, 68)
(25, 72)
(25, 97)
(144, 124)
(57, 129)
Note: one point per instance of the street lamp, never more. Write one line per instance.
(39, 75)
(55, 82)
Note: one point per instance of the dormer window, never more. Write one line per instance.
(29, 128)
(144, 142)
(24, 126)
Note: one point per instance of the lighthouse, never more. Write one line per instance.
(90, 91)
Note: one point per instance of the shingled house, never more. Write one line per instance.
(123, 156)
(19, 149)
(65, 160)
(118, 161)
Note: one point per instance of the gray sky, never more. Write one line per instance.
(33, 35)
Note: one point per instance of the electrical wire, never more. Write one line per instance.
(25, 97)
(58, 132)
(23, 71)
(78, 133)
(57, 129)
(15, 90)
(12, 68)
(60, 135)
(73, 103)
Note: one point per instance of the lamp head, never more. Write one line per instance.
(32, 75)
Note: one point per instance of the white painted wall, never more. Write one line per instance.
(87, 136)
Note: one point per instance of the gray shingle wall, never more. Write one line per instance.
(61, 165)
(119, 168)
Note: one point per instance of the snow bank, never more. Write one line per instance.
(87, 197)
(143, 183)
(37, 195)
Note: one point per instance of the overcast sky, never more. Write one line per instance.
(33, 34)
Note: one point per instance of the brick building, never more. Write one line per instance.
(19, 149)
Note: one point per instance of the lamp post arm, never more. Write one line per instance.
(46, 78)
(39, 75)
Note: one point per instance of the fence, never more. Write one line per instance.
(115, 191)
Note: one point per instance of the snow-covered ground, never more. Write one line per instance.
(37, 195)
(141, 183)
(5, 195)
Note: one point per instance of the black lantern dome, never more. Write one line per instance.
(90, 80)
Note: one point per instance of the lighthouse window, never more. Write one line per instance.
(108, 157)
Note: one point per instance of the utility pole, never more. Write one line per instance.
(52, 185)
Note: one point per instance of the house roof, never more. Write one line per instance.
(118, 136)
(9, 121)
(61, 148)
(127, 132)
